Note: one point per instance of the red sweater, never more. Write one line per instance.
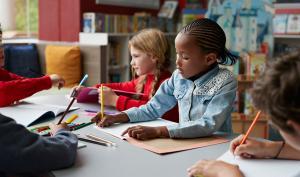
(14, 87)
(124, 102)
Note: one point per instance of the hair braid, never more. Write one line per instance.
(210, 37)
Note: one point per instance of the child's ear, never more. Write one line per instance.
(154, 59)
(210, 58)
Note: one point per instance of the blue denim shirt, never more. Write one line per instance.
(205, 105)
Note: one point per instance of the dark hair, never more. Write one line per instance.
(211, 38)
(277, 92)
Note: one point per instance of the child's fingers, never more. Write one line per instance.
(124, 132)
(235, 143)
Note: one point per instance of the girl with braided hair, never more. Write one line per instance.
(204, 92)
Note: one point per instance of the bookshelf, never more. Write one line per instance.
(242, 120)
(286, 38)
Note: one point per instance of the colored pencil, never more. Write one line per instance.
(250, 128)
(71, 119)
(72, 101)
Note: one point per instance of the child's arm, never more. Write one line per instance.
(26, 152)
(7, 76)
(217, 111)
(161, 102)
(15, 90)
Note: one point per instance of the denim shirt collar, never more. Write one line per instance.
(214, 71)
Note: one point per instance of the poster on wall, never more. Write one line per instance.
(153, 4)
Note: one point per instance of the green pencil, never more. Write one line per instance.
(82, 125)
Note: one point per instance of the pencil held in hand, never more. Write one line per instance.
(250, 128)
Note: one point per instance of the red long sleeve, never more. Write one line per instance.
(124, 102)
(14, 87)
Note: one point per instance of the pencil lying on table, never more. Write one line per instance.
(250, 128)
(73, 99)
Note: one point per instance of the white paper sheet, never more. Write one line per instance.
(117, 129)
(264, 167)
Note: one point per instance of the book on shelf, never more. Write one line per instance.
(168, 9)
(257, 64)
(280, 23)
(27, 114)
(293, 24)
(189, 15)
(89, 22)
(252, 64)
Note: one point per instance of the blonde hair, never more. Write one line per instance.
(153, 42)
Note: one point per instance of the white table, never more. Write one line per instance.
(127, 160)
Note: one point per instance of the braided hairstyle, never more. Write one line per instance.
(277, 92)
(151, 41)
(211, 38)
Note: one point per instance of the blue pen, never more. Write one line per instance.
(83, 79)
(74, 93)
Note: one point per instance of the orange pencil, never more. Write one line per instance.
(250, 128)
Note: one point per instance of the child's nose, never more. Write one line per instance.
(178, 62)
(131, 62)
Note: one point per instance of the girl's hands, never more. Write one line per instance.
(76, 90)
(144, 133)
(213, 168)
(253, 148)
(110, 97)
(57, 81)
(109, 120)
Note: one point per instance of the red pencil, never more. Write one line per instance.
(250, 128)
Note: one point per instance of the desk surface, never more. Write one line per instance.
(127, 160)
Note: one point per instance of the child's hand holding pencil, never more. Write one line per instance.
(109, 120)
(111, 97)
(253, 148)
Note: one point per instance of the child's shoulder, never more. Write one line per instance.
(225, 74)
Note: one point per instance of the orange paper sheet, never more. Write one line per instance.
(164, 146)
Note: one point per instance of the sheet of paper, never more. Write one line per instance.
(117, 129)
(168, 145)
(264, 167)
(161, 146)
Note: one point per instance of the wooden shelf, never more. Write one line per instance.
(240, 116)
(287, 36)
(245, 78)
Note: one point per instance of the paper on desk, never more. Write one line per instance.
(117, 129)
(168, 145)
(264, 167)
(160, 145)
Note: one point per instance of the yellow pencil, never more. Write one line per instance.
(71, 118)
(102, 102)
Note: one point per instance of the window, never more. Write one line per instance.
(19, 18)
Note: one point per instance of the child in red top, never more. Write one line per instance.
(149, 50)
(14, 88)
